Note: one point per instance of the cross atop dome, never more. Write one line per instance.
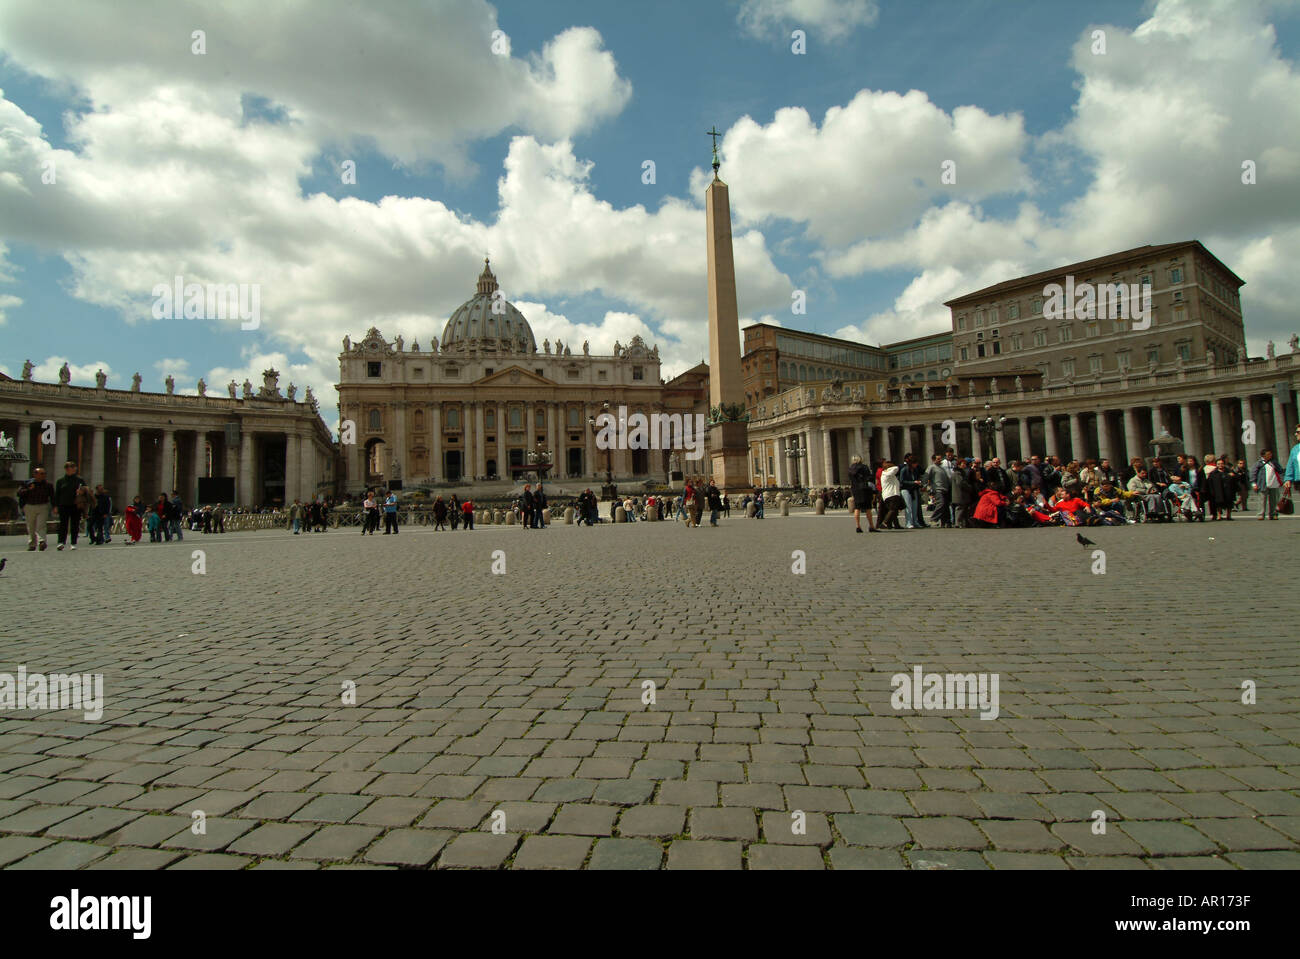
(487, 283)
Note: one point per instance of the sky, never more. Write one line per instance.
(354, 163)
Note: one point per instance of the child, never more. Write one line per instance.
(131, 519)
(153, 523)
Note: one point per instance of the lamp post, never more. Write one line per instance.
(608, 490)
(988, 428)
(796, 453)
(540, 459)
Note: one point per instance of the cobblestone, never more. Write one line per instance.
(765, 706)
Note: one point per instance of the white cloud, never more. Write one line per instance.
(8, 302)
(83, 374)
(319, 68)
(831, 19)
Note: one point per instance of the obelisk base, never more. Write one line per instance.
(729, 452)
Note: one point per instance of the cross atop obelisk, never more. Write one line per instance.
(715, 134)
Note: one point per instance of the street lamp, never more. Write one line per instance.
(608, 490)
(796, 453)
(988, 427)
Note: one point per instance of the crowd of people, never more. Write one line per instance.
(77, 507)
(969, 492)
(953, 492)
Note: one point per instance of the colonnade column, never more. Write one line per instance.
(132, 439)
(1026, 450)
(167, 464)
(1217, 435)
(436, 468)
(292, 468)
(246, 469)
(95, 474)
(23, 471)
(1077, 451)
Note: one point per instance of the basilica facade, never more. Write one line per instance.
(486, 403)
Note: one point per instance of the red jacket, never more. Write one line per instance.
(467, 507)
(986, 510)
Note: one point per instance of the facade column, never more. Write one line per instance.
(552, 441)
(292, 468)
(1282, 437)
(927, 444)
(1000, 445)
(200, 461)
(589, 461)
(397, 453)
(1025, 442)
(503, 465)
(23, 471)
(246, 468)
(1248, 413)
(828, 456)
(436, 468)
(1103, 436)
(1216, 429)
(1132, 438)
(480, 440)
(132, 439)
(1077, 451)
(167, 466)
(1049, 436)
(857, 442)
(55, 470)
(1188, 425)
(781, 466)
(95, 474)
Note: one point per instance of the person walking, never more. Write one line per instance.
(176, 515)
(133, 521)
(714, 499)
(295, 517)
(860, 486)
(65, 503)
(1266, 479)
(35, 498)
(104, 511)
(891, 495)
(439, 515)
(467, 512)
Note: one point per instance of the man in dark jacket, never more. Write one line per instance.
(861, 488)
(65, 503)
(963, 495)
(528, 503)
(995, 477)
(35, 497)
(539, 504)
(940, 480)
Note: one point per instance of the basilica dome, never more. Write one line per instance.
(474, 324)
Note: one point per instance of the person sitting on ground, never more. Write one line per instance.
(990, 511)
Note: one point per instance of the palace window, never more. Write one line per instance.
(490, 419)
(1067, 334)
(979, 350)
(419, 421)
(638, 372)
(1040, 337)
(1013, 311)
(453, 418)
(539, 418)
(1153, 355)
(489, 371)
(1038, 306)
(1067, 368)
(1175, 275)
(600, 375)
(516, 418)
(997, 347)
(1185, 351)
(979, 318)
(961, 323)
(373, 368)
(452, 372)
(376, 420)
(1017, 341)
(964, 354)
(1094, 364)
(1123, 361)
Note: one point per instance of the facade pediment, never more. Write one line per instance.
(514, 376)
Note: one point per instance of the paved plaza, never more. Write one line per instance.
(515, 699)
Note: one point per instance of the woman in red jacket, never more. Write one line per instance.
(990, 511)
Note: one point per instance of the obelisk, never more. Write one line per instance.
(728, 439)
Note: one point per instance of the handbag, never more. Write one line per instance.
(1285, 506)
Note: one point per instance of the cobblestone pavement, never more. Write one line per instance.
(520, 694)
